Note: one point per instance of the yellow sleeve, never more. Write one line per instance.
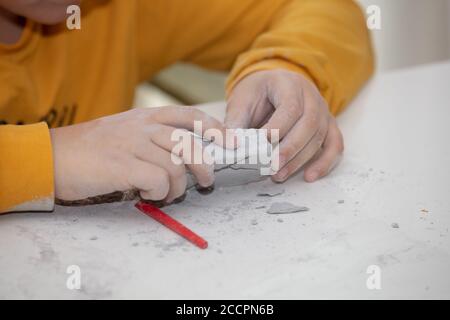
(326, 40)
(26, 168)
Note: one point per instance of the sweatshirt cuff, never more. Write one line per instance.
(26, 168)
(239, 72)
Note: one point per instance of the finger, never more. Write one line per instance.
(299, 136)
(289, 105)
(176, 170)
(264, 121)
(196, 121)
(306, 154)
(329, 157)
(151, 180)
(184, 146)
(247, 107)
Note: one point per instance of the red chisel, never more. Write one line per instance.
(172, 224)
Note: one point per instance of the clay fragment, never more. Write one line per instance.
(270, 194)
(285, 208)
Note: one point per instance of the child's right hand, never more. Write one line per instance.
(130, 150)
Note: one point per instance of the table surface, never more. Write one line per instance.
(395, 171)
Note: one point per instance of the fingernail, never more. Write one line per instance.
(313, 176)
(205, 191)
(206, 183)
(158, 204)
(278, 162)
(282, 175)
(180, 199)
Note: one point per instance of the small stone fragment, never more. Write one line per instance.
(285, 208)
(395, 225)
(270, 194)
(341, 201)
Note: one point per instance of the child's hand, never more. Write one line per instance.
(287, 101)
(130, 150)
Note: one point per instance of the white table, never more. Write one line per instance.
(395, 166)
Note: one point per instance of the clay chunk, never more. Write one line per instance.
(285, 208)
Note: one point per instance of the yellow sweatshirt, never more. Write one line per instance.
(55, 77)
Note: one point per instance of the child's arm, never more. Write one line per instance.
(325, 40)
(26, 168)
(138, 150)
(306, 59)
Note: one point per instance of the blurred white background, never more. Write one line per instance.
(413, 32)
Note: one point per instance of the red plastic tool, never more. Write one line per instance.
(172, 224)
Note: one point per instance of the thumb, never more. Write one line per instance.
(247, 105)
(237, 115)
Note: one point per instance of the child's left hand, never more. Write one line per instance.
(287, 101)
